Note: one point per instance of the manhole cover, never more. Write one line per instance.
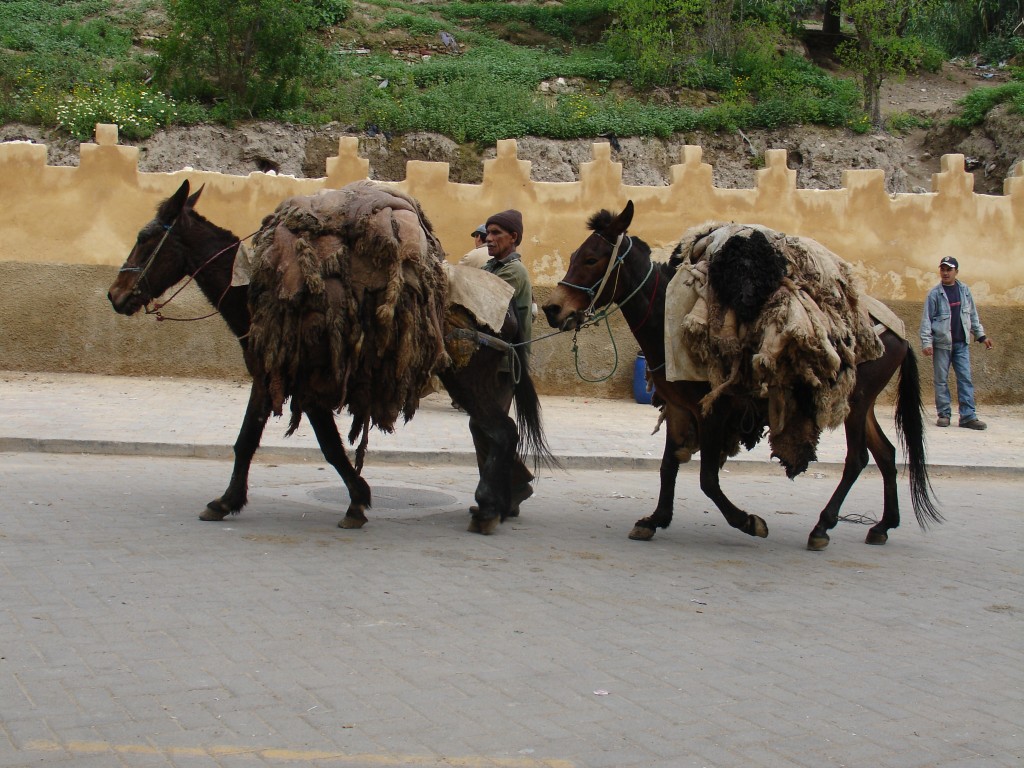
(386, 497)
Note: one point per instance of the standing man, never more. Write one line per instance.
(504, 234)
(948, 321)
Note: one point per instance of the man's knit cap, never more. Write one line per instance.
(511, 221)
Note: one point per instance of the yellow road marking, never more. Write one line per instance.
(293, 755)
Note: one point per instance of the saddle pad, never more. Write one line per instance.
(883, 316)
(484, 295)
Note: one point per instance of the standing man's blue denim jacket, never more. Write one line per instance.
(935, 331)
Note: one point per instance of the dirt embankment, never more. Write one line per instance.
(819, 155)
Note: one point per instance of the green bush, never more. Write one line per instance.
(328, 13)
(980, 102)
(247, 56)
(1001, 48)
(904, 122)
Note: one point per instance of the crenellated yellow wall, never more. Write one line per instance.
(76, 225)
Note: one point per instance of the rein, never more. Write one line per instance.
(156, 306)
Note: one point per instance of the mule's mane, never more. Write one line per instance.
(600, 221)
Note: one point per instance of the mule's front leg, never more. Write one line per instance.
(681, 432)
(711, 455)
(644, 528)
(236, 496)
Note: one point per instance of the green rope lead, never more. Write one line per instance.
(615, 349)
(604, 314)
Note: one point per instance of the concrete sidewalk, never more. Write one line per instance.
(79, 413)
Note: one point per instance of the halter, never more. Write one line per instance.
(149, 262)
(594, 318)
(614, 260)
(159, 305)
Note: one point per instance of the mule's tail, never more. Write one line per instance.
(532, 441)
(910, 429)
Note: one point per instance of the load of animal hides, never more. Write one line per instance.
(347, 299)
(765, 317)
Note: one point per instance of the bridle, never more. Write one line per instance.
(144, 269)
(615, 260)
(591, 317)
(159, 305)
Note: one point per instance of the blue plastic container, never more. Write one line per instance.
(640, 392)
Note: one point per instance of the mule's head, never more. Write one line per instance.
(157, 260)
(584, 287)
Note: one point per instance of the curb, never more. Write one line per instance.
(278, 453)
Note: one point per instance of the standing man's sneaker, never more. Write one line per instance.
(942, 421)
(974, 424)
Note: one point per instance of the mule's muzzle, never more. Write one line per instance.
(124, 302)
(561, 318)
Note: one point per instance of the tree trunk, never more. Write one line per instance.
(831, 23)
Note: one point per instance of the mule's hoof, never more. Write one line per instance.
(214, 512)
(518, 497)
(483, 527)
(876, 537)
(756, 527)
(817, 542)
(354, 517)
(640, 533)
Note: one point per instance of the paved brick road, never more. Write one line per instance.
(132, 634)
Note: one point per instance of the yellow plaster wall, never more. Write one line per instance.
(61, 217)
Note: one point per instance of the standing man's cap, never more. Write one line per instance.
(481, 230)
(511, 221)
(949, 261)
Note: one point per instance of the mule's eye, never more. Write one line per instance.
(590, 262)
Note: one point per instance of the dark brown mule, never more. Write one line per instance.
(179, 243)
(638, 285)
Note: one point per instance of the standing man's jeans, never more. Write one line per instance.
(960, 359)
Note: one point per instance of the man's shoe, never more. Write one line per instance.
(942, 421)
(974, 424)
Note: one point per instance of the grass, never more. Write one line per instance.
(73, 63)
(979, 102)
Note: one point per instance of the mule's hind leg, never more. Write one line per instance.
(495, 438)
(486, 395)
(236, 496)
(884, 453)
(326, 430)
(862, 434)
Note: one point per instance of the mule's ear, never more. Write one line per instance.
(171, 208)
(622, 221)
(191, 202)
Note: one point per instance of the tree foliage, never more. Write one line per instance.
(883, 48)
(251, 53)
